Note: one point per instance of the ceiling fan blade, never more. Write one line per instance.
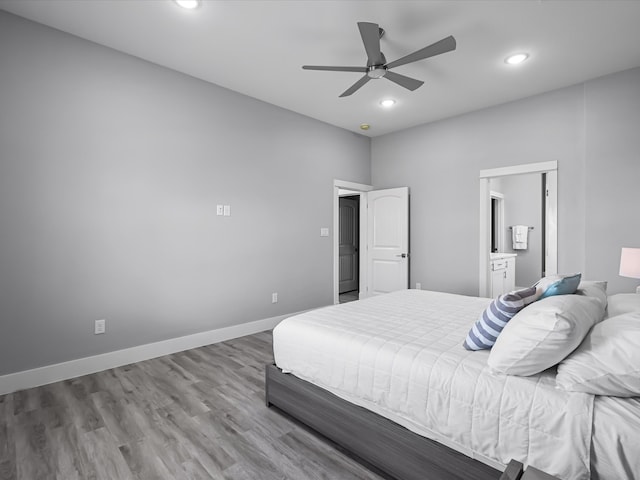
(443, 46)
(370, 33)
(335, 69)
(355, 86)
(406, 82)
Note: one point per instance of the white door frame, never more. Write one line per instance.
(485, 205)
(551, 223)
(357, 188)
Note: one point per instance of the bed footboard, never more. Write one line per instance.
(380, 442)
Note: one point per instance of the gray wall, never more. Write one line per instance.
(612, 187)
(591, 129)
(110, 172)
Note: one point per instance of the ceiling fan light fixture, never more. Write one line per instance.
(516, 59)
(377, 71)
(388, 102)
(188, 4)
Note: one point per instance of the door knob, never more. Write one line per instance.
(403, 255)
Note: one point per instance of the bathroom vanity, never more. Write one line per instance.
(503, 273)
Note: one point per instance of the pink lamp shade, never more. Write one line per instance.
(630, 262)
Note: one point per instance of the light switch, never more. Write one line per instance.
(219, 210)
(324, 232)
(227, 210)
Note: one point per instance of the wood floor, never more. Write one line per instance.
(198, 414)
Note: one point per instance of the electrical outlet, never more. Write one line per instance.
(418, 286)
(227, 210)
(274, 297)
(100, 327)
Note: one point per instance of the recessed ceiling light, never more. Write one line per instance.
(190, 4)
(388, 103)
(365, 126)
(516, 59)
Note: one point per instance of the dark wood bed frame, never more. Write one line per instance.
(378, 441)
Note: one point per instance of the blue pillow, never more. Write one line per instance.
(559, 285)
(485, 331)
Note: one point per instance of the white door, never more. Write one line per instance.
(387, 240)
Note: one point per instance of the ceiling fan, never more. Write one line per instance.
(377, 66)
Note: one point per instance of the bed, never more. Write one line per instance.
(387, 379)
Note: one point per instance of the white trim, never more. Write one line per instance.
(551, 230)
(343, 192)
(485, 240)
(36, 377)
(363, 287)
(541, 167)
(357, 188)
(485, 204)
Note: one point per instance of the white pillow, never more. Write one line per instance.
(592, 288)
(545, 332)
(608, 360)
(623, 303)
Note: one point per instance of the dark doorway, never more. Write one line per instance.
(348, 244)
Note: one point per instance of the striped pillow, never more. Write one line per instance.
(484, 332)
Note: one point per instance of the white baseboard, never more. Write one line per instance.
(36, 377)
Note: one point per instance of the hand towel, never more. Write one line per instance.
(520, 236)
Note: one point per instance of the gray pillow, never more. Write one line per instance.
(594, 288)
(623, 303)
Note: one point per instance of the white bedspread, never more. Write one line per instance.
(401, 356)
(615, 453)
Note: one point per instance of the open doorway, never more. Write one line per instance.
(539, 215)
(341, 189)
(383, 238)
(523, 206)
(348, 248)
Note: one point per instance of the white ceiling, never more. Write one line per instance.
(258, 47)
